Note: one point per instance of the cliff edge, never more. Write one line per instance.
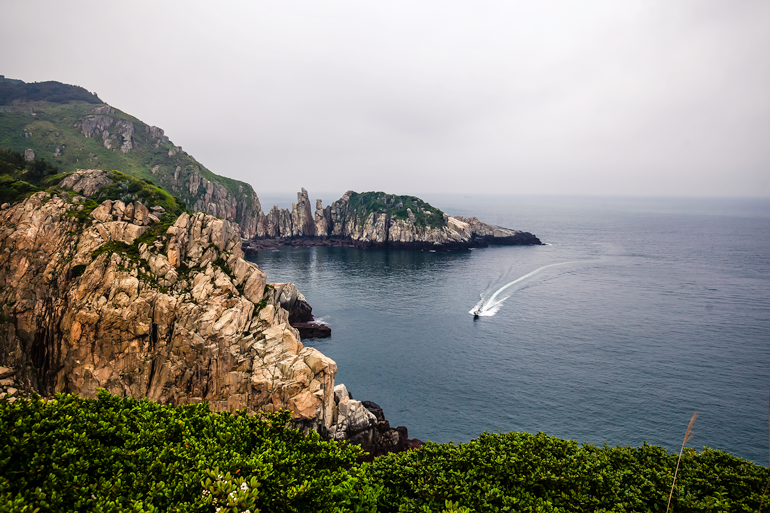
(121, 296)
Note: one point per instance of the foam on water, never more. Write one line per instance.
(489, 307)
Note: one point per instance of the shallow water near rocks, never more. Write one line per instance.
(660, 307)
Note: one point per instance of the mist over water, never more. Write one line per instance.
(638, 313)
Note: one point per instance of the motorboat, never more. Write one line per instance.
(476, 314)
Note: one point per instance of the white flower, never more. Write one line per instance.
(244, 486)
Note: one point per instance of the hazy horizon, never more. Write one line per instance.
(599, 98)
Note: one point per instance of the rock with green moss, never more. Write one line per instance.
(105, 297)
(379, 220)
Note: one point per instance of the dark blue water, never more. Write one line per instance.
(661, 307)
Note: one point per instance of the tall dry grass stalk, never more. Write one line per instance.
(768, 439)
(687, 436)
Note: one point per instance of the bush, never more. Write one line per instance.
(525, 472)
(114, 454)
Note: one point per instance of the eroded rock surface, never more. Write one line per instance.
(343, 222)
(178, 318)
(363, 423)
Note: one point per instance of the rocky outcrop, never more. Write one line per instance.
(215, 199)
(108, 299)
(99, 125)
(363, 423)
(378, 220)
(491, 234)
(87, 182)
(178, 318)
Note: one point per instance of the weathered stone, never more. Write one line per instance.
(86, 182)
(346, 223)
(131, 326)
(102, 213)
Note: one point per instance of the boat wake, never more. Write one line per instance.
(487, 307)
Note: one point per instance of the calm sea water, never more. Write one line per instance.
(660, 307)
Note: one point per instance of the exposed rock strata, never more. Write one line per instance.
(184, 320)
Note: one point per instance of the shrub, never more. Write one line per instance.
(114, 454)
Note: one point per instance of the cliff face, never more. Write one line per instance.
(382, 220)
(121, 299)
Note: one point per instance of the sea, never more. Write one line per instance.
(635, 314)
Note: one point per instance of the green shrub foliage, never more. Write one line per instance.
(525, 472)
(111, 454)
(19, 178)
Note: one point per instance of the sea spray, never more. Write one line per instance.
(489, 307)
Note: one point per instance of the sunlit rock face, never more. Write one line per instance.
(97, 301)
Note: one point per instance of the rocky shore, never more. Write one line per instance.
(132, 298)
(376, 220)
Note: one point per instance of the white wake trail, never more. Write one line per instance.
(489, 307)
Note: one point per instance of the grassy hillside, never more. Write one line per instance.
(49, 117)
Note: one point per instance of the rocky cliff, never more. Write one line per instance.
(378, 220)
(121, 297)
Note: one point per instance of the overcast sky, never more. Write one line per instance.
(654, 97)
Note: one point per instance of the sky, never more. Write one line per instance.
(597, 97)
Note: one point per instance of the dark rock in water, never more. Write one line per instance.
(375, 409)
(384, 438)
(293, 302)
(312, 330)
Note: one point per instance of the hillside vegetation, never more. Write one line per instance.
(425, 215)
(112, 454)
(74, 129)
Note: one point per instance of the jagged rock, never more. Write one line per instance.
(125, 129)
(92, 125)
(179, 323)
(293, 302)
(352, 418)
(86, 181)
(492, 234)
(29, 155)
(215, 199)
(363, 423)
(5, 372)
(345, 221)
